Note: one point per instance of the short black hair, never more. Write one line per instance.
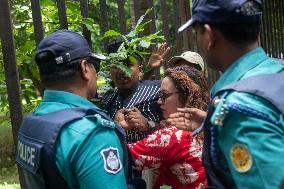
(114, 43)
(239, 34)
(52, 73)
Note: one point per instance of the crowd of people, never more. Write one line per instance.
(172, 131)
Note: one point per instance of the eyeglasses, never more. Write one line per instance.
(95, 62)
(164, 95)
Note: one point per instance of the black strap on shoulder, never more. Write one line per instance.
(213, 176)
(128, 163)
(270, 87)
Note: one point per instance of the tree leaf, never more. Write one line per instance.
(124, 68)
(131, 34)
(145, 44)
(111, 33)
(140, 20)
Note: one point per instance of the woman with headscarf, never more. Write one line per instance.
(173, 154)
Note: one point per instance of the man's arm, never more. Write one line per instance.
(100, 161)
(96, 159)
(252, 145)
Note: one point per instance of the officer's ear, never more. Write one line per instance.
(211, 36)
(85, 70)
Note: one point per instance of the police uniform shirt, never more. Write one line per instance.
(88, 154)
(144, 98)
(249, 128)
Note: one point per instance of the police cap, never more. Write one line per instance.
(66, 46)
(224, 12)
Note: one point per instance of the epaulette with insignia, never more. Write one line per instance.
(103, 122)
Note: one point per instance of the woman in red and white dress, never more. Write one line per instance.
(173, 155)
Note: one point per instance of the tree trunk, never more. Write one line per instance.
(152, 25)
(166, 31)
(137, 9)
(104, 19)
(121, 16)
(143, 8)
(184, 16)
(132, 13)
(165, 20)
(179, 43)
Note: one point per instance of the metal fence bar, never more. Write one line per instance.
(263, 41)
(279, 28)
(85, 14)
(282, 27)
(62, 14)
(274, 28)
(37, 20)
(177, 24)
(11, 75)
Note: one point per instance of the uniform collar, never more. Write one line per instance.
(67, 98)
(238, 69)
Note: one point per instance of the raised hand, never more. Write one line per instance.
(187, 119)
(157, 57)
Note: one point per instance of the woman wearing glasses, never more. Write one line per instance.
(173, 154)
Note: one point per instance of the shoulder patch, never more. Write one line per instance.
(28, 153)
(241, 157)
(111, 159)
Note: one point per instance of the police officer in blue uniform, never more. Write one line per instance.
(68, 142)
(244, 127)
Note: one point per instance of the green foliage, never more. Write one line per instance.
(25, 45)
(3, 92)
(130, 49)
(9, 186)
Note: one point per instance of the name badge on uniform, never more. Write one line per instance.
(28, 154)
(111, 159)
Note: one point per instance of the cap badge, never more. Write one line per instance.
(61, 59)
